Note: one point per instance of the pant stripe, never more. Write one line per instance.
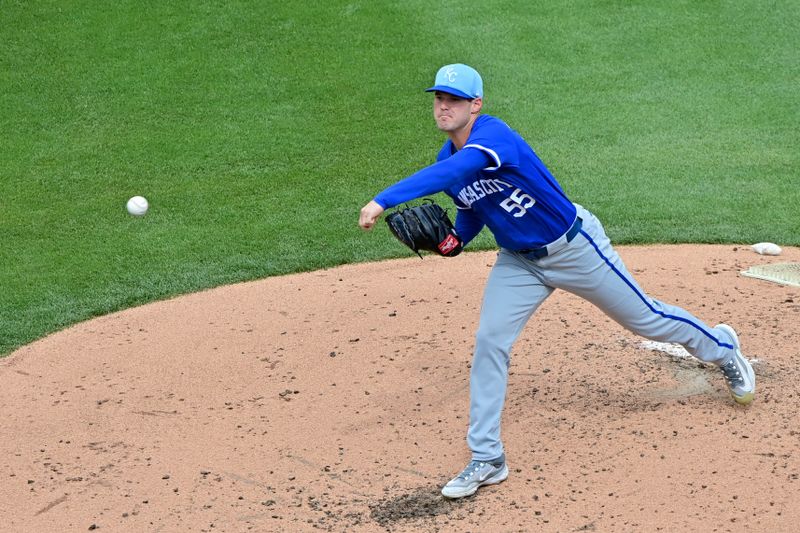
(647, 303)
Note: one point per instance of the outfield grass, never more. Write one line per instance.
(258, 129)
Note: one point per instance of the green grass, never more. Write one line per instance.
(258, 129)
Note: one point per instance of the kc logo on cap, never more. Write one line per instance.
(459, 80)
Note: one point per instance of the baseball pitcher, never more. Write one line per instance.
(546, 242)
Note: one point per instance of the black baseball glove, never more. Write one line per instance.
(425, 227)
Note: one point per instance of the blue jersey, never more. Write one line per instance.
(496, 180)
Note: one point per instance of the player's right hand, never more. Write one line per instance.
(369, 215)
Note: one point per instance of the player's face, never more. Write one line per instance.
(451, 112)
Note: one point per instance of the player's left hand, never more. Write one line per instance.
(370, 214)
(425, 227)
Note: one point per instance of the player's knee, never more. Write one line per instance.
(491, 341)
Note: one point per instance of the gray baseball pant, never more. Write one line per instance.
(589, 267)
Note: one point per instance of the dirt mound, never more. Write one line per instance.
(338, 400)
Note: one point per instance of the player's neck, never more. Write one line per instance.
(459, 137)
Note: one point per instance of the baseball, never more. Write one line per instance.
(137, 206)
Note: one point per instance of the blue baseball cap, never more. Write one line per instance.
(459, 80)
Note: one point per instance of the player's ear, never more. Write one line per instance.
(477, 104)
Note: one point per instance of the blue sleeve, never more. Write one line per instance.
(496, 139)
(435, 178)
(467, 225)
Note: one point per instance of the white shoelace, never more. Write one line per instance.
(732, 373)
(471, 469)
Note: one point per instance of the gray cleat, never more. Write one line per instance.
(738, 372)
(476, 474)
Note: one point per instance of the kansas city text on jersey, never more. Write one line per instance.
(517, 203)
(479, 189)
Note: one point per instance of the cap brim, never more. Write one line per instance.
(450, 90)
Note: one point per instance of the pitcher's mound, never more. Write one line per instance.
(338, 401)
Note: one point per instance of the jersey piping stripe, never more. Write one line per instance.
(643, 299)
(489, 151)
